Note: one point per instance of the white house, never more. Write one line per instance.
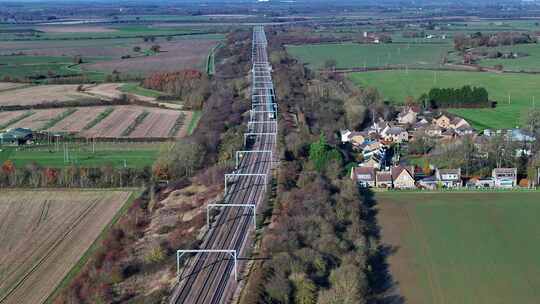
(449, 178)
(505, 177)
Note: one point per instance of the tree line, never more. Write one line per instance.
(478, 39)
(106, 176)
(464, 97)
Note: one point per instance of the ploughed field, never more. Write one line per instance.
(396, 85)
(463, 247)
(111, 122)
(45, 233)
(103, 50)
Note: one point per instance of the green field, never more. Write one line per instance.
(134, 88)
(119, 154)
(528, 63)
(396, 85)
(349, 55)
(463, 247)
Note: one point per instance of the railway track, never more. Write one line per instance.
(207, 277)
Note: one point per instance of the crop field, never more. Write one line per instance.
(34, 95)
(349, 55)
(38, 120)
(45, 233)
(463, 247)
(172, 57)
(51, 52)
(118, 155)
(396, 85)
(116, 123)
(103, 121)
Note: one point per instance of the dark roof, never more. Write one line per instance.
(396, 171)
(384, 176)
(364, 171)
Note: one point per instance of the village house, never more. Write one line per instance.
(373, 161)
(458, 122)
(384, 179)
(504, 177)
(403, 177)
(429, 182)
(407, 116)
(354, 137)
(433, 131)
(395, 135)
(442, 121)
(364, 176)
(449, 178)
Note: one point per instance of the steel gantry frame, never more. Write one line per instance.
(250, 206)
(232, 253)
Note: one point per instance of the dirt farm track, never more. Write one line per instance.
(43, 235)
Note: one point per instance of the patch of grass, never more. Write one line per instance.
(349, 55)
(134, 88)
(194, 121)
(210, 61)
(396, 85)
(138, 120)
(16, 119)
(463, 247)
(51, 123)
(131, 156)
(99, 118)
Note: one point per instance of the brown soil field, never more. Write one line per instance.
(41, 94)
(74, 29)
(44, 234)
(9, 85)
(183, 132)
(114, 125)
(173, 57)
(5, 117)
(75, 122)
(157, 124)
(39, 119)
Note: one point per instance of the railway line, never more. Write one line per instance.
(210, 275)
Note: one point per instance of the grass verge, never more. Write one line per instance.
(195, 118)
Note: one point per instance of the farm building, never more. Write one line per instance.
(16, 136)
